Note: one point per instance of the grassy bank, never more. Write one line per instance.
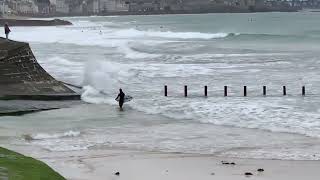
(14, 166)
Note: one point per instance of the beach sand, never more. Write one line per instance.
(138, 165)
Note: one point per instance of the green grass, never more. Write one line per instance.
(14, 166)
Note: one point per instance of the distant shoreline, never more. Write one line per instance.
(125, 13)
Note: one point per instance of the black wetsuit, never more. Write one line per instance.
(121, 99)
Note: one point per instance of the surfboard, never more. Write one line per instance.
(127, 98)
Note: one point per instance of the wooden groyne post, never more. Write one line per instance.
(264, 90)
(185, 91)
(225, 91)
(165, 90)
(244, 91)
(205, 91)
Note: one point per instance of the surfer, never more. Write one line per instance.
(121, 98)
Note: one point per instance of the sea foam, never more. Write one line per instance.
(66, 134)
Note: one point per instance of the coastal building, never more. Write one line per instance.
(113, 5)
(5, 9)
(246, 3)
(27, 7)
(62, 7)
(21, 7)
(44, 7)
(92, 7)
(76, 7)
(144, 6)
(82, 7)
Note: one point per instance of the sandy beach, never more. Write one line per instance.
(140, 165)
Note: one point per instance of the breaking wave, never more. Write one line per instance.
(42, 136)
(133, 33)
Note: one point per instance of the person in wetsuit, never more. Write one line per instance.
(121, 98)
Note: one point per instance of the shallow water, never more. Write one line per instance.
(141, 54)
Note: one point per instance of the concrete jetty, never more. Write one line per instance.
(22, 78)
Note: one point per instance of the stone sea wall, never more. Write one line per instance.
(21, 77)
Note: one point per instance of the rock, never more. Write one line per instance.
(117, 173)
(212, 174)
(27, 137)
(248, 174)
(260, 170)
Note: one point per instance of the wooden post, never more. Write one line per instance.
(225, 90)
(264, 90)
(303, 91)
(205, 91)
(185, 91)
(284, 90)
(244, 90)
(165, 90)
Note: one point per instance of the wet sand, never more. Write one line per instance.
(139, 165)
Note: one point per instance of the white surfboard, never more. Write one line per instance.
(127, 98)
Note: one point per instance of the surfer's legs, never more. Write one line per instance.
(120, 104)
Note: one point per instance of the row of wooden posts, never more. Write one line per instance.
(264, 90)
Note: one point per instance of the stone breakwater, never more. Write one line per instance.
(27, 22)
(22, 78)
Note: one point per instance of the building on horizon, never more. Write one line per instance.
(19, 7)
(96, 7)
(62, 7)
(44, 7)
(113, 6)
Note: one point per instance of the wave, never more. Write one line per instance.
(134, 33)
(264, 36)
(94, 96)
(104, 36)
(86, 33)
(63, 69)
(42, 136)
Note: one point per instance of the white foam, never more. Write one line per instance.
(41, 136)
(271, 115)
(133, 33)
(92, 95)
(103, 79)
(92, 34)
(62, 145)
(63, 69)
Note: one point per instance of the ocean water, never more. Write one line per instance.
(141, 54)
